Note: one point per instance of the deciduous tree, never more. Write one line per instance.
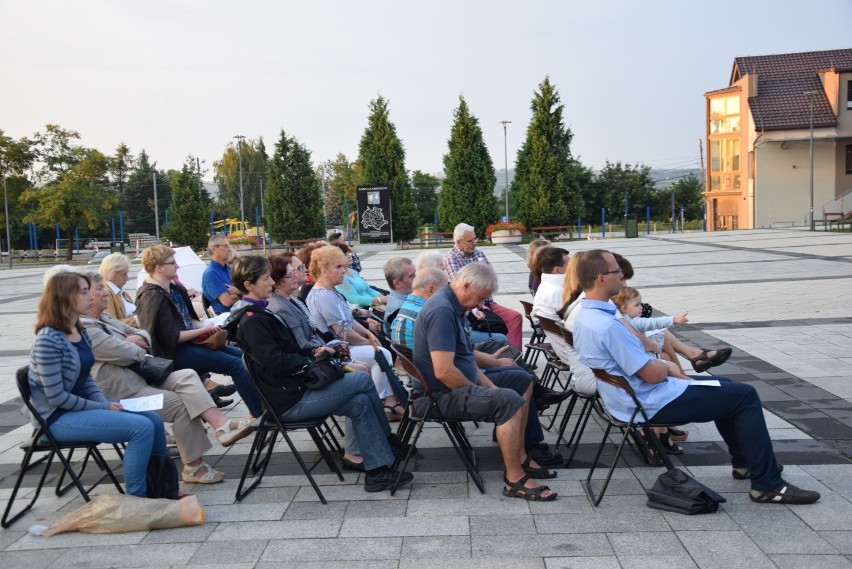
(467, 193)
(293, 196)
(227, 176)
(614, 182)
(382, 158)
(425, 189)
(16, 159)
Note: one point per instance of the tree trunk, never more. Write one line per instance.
(70, 253)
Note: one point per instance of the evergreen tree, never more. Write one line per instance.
(137, 200)
(119, 166)
(383, 160)
(293, 196)
(467, 193)
(546, 190)
(333, 196)
(425, 189)
(188, 223)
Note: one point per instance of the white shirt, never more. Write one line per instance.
(129, 307)
(548, 297)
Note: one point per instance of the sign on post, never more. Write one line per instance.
(374, 215)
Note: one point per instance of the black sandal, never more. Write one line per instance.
(677, 435)
(392, 415)
(518, 490)
(541, 472)
(649, 450)
(668, 445)
(703, 362)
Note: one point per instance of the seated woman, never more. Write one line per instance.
(354, 288)
(116, 346)
(165, 311)
(114, 269)
(272, 346)
(64, 393)
(331, 313)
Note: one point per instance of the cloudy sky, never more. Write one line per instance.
(183, 77)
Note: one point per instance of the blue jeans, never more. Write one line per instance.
(143, 432)
(227, 361)
(355, 397)
(736, 410)
(479, 337)
(518, 380)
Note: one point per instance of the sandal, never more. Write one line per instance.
(518, 490)
(649, 450)
(227, 434)
(668, 445)
(704, 361)
(678, 435)
(211, 476)
(540, 472)
(393, 416)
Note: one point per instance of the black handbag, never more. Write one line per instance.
(153, 369)
(492, 323)
(321, 372)
(676, 491)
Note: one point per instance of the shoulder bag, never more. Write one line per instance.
(153, 369)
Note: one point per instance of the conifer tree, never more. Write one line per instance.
(546, 189)
(293, 195)
(467, 193)
(383, 160)
(188, 223)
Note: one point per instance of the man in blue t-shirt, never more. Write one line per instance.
(216, 284)
(603, 342)
(444, 355)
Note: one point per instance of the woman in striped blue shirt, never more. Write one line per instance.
(63, 391)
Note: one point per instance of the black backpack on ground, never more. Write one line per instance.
(676, 491)
(162, 477)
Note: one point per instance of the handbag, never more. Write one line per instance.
(492, 323)
(676, 491)
(213, 341)
(321, 372)
(153, 369)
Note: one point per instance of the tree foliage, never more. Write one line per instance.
(137, 200)
(467, 193)
(688, 193)
(293, 196)
(57, 151)
(188, 223)
(81, 195)
(16, 159)
(614, 182)
(425, 189)
(546, 189)
(382, 158)
(120, 164)
(227, 176)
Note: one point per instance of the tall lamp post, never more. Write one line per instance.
(6, 205)
(240, 138)
(506, 163)
(811, 95)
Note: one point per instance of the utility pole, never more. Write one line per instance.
(6, 204)
(811, 95)
(156, 209)
(240, 138)
(506, 162)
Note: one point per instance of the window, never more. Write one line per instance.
(849, 158)
(848, 100)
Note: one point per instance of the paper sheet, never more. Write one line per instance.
(706, 382)
(219, 319)
(149, 403)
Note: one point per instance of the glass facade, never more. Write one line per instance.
(724, 128)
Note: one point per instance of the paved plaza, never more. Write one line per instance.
(781, 298)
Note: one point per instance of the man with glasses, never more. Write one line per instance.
(216, 284)
(603, 342)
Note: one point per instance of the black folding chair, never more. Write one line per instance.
(412, 425)
(43, 441)
(628, 428)
(267, 428)
(537, 343)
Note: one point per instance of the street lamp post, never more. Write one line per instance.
(6, 205)
(240, 138)
(506, 163)
(811, 95)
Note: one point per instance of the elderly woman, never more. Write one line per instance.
(278, 356)
(165, 311)
(116, 346)
(115, 269)
(64, 393)
(331, 313)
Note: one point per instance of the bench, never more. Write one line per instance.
(293, 244)
(435, 238)
(552, 231)
(841, 221)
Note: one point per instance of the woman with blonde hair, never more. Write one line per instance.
(64, 393)
(115, 269)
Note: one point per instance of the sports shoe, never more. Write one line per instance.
(784, 494)
(385, 480)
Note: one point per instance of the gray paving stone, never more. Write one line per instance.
(75, 539)
(405, 526)
(481, 505)
(656, 561)
(347, 564)
(244, 512)
(432, 490)
(215, 552)
(436, 547)
(640, 544)
(718, 520)
(602, 562)
(345, 493)
(341, 549)
(315, 511)
(570, 545)
(461, 563)
(129, 556)
(31, 559)
(292, 529)
(643, 521)
(788, 534)
(376, 509)
(723, 549)
(841, 540)
(811, 561)
(192, 534)
(511, 525)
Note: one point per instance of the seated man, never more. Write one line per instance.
(426, 282)
(465, 252)
(216, 284)
(605, 343)
(399, 272)
(444, 355)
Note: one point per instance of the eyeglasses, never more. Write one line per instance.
(300, 268)
(614, 271)
(170, 263)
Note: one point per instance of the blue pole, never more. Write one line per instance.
(30, 234)
(673, 213)
(121, 225)
(112, 222)
(647, 220)
(57, 237)
(579, 227)
(625, 203)
(681, 217)
(77, 239)
(603, 222)
(703, 216)
(167, 218)
(211, 222)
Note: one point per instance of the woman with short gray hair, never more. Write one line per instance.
(115, 269)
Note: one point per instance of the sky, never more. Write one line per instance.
(183, 77)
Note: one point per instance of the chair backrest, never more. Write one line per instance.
(567, 335)
(268, 410)
(404, 355)
(615, 380)
(549, 325)
(22, 380)
(527, 308)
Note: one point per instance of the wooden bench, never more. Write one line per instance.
(294, 244)
(552, 231)
(841, 221)
(435, 238)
